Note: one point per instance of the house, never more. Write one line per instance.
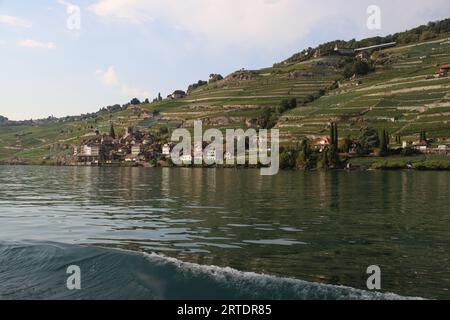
(321, 143)
(344, 51)
(92, 150)
(178, 94)
(444, 70)
(442, 149)
(421, 146)
(166, 150)
(90, 153)
(137, 149)
(131, 158)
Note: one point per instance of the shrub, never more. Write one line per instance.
(433, 165)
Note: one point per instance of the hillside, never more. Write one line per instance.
(401, 96)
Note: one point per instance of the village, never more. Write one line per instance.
(138, 148)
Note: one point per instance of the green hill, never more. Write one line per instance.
(400, 95)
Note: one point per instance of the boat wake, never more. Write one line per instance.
(30, 270)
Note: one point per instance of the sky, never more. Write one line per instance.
(61, 57)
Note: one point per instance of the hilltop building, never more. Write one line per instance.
(177, 94)
(363, 52)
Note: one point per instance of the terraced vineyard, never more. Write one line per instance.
(231, 102)
(401, 97)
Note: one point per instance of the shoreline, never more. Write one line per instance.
(427, 166)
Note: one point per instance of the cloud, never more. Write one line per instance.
(134, 11)
(111, 79)
(266, 22)
(15, 22)
(230, 21)
(29, 43)
(108, 77)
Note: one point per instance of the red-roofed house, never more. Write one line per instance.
(321, 143)
(444, 70)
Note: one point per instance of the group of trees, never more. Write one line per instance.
(302, 156)
(370, 140)
(199, 84)
(3, 120)
(287, 105)
(358, 67)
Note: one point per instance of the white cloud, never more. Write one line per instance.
(111, 79)
(266, 22)
(15, 22)
(130, 10)
(231, 21)
(29, 43)
(108, 77)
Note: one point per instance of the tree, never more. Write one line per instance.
(135, 101)
(423, 136)
(287, 105)
(384, 143)
(268, 119)
(293, 103)
(287, 158)
(112, 132)
(368, 140)
(163, 130)
(303, 156)
(358, 67)
(159, 97)
(323, 162)
(333, 150)
(346, 144)
(147, 101)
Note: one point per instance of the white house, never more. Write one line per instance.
(90, 151)
(166, 150)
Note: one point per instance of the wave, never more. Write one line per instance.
(30, 270)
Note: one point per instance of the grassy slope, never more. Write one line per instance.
(398, 90)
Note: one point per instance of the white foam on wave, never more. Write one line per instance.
(302, 289)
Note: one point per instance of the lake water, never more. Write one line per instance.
(207, 233)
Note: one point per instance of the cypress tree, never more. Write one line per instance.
(336, 136)
(112, 133)
(383, 142)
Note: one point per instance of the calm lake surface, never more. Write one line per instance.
(319, 227)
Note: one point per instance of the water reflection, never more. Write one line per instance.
(323, 226)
